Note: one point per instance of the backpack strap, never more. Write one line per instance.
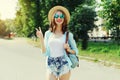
(66, 37)
(67, 33)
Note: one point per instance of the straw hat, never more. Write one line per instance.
(54, 9)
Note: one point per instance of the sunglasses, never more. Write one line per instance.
(59, 15)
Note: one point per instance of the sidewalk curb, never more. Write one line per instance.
(105, 63)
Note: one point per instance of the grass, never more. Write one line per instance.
(103, 51)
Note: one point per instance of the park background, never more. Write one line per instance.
(94, 23)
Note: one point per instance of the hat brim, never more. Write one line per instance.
(54, 9)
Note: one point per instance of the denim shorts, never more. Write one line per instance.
(58, 65)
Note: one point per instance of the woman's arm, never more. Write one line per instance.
(40, 35)
(43, 48)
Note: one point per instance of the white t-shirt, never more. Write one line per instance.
(56, 45)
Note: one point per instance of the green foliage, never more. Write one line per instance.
(33, 13)
(111, 15)
(9, 23)
(28, 17)
(70, 4)
(110, 12)
(90, 2)
(6, 26)
(82, 20)
(2, 28)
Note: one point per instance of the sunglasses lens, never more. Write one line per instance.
(57, 15)
(61, 16)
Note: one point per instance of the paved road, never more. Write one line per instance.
(21, 61)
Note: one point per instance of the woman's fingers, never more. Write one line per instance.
(66, 46)
(36, 29)
(39, 32)
(39, 28)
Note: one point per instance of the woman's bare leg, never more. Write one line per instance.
(52, 77)
(65, 76)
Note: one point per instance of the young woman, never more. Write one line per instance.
(53, 44)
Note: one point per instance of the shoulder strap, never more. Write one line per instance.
(66, 37)
(66, 40)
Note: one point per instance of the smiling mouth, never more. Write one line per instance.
(59, 20)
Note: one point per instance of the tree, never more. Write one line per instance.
(9, 23)
(18, 23)
(33, 13)
(82, 20)
(28, 15)
(5, 27)
(2, 28)
(111, 14)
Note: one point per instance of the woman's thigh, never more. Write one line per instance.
(51, 77)
(65, 76)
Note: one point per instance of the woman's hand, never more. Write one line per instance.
(39, 33)
(66, 46)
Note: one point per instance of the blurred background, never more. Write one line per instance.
(94, 23)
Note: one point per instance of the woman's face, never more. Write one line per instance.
(59, 18)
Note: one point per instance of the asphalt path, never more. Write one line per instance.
(22, 61)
